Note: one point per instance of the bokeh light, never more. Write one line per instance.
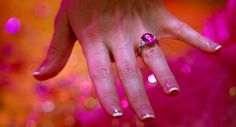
(12, 25)
(152, 79)
(207, 81)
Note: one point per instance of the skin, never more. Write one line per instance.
(109, 31)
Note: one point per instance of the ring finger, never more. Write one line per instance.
(155, 60)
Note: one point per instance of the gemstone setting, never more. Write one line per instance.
(148, 39)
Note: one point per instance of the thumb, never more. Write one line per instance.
(60, 49)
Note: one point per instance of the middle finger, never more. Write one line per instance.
(131, 78)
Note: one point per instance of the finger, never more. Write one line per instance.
(100, 69)
(185, 33)
(155, 60)
(131, 79)
(59, 51)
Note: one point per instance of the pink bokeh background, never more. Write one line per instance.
(208, 81)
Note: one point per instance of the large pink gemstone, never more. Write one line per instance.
(148, 38)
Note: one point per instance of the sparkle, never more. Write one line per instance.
(186, 69)
(152, 79)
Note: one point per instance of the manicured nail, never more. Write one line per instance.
(38, 71)
(173, 91)
(213, 45)
(218, 47)
(117, 113)
(148, 116)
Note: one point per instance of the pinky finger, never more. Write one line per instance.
(185, 33)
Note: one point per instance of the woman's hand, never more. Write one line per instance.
(111, 29)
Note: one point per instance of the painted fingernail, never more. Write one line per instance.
(148, 116)
(218, 47)
(173, 91)
(213, 45)
(38, 71)
(117, 113)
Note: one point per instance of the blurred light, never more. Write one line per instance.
(232, 91)
(42, 10)
(186, 69)
(91, 103)
(69, 121)
(115, 123)
(231, 4)
(48, 123)
(81, 100)
(221, 26)
(7, 50)
(48, 106)
(124, 103)
(41, 89)
(12, 25)
(64, 96)
(152, 79)
(85, 88)
(31, 123)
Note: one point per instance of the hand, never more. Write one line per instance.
(111, 29)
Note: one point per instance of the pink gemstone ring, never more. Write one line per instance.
(147, 39)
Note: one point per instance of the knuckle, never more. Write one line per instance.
(180, 28)
(101, 72)
(151, 52)
(128, 70)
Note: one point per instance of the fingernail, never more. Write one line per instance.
(213, 45)
(38, 71)
(117, 113)
(148, 116)
(218, 47)
(173, 91)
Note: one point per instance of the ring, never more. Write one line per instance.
(147, 39)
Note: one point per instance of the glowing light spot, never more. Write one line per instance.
(31, 123)
(124, 103)
(42, 10)
(232, 91)
(69, 121)
(231, 4)
(64, 96)
(186, 69)
(47, 106)
(152, 79)
(91, 103)
(12, 25)
(85, 88)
